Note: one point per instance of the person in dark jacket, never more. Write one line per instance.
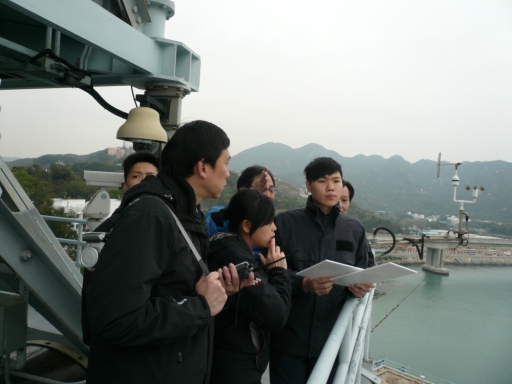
(149, 305)
(242, 331)
(320, 233)
(136, 167)
(347, 194)
(254, 177)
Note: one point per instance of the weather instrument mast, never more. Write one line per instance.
(455, 182)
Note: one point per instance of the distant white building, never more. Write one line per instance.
(117, 152)
(77, 205)
(453, 219)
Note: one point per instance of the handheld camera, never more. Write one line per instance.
(244, 268)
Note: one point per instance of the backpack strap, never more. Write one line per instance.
(193, 248)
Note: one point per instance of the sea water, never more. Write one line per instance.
(456, 327)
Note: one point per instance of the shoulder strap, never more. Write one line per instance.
(193, 248)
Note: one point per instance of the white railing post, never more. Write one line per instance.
(326, 360)
(349, 340)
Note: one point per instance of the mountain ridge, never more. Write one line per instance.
(395, 184)
(392, 184)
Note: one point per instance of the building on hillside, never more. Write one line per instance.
(117, 152)
(452, 219)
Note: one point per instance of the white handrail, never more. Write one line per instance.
(347, 339)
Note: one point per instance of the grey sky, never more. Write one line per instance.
(408, 78)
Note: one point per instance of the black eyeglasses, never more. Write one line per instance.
(271, 190)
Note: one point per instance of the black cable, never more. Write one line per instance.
(88, 89)
(464, 241)
(25, 24)
(272, 262)
(389, 313)
(420, 252)
(101, 101)
(133, 95)
(48, 52)
(467, 228)
(392, 235)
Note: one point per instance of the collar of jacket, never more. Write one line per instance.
(320, 217)
(175, 190)
(222, 239)
(185, 201)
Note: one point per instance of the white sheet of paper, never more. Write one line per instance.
(328, 268)
(376, 274)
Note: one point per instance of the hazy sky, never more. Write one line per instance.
(408, 78)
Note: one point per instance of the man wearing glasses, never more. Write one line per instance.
(255, 177)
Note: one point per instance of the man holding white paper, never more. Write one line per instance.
(315, 233)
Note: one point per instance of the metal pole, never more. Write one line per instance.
(48, 43)
(57, 43)
(79, 246)
(367, 336)
(358, 346)
(326, 360)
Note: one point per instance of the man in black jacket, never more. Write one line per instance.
(347, 195)
(149, 306)
(318, 232)
(136, 167)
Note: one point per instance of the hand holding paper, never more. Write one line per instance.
(348, 275)
(360, 290)
(319, 286)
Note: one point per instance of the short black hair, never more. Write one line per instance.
(251, 205)
(248, 174)
(321, 167)
(350, 188)
(194, 141)
(139, 157)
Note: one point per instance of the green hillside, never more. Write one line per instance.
(66, 159)
(394, 184)
(391, 185)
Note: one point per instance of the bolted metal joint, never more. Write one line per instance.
(24, 255)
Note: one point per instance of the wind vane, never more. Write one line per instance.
(455, 182)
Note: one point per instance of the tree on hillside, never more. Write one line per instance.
(39, 187)
(77, 189)
(79, 168)
(36, 182)
(372, 221)
(61, 174)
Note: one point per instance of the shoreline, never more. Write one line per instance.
(407, 258)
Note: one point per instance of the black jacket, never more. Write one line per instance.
(253, 312)
(106, 226)
(319, 237)
(146, 323)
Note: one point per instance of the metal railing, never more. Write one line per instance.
(425, 378)
(349, 340)
(80, 228)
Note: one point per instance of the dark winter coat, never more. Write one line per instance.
(146, 323)
(319, 237)
(253, 313)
